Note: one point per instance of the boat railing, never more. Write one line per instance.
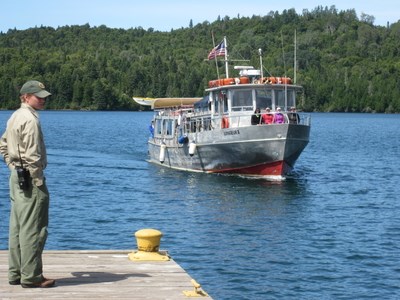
(206, 122)
(245, 119)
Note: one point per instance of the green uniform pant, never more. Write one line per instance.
(28, 231)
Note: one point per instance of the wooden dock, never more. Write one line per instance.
(102, 275)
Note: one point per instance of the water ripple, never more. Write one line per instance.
(330, 231)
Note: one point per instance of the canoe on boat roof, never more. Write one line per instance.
(171, 102)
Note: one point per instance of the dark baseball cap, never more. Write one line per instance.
(34, 87)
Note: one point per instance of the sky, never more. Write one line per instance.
(168, 14)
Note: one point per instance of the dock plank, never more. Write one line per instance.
(101, 275)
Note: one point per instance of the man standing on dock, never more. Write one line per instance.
(24, 152)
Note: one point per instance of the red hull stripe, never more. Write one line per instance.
(278, 168)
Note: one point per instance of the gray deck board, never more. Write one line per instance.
(101, 275)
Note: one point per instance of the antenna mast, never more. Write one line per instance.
(261, 64)
(226, 58)
(295, 57)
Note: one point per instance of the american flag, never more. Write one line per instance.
(219, 50)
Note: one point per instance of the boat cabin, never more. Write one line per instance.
(239, 98)
(230, 103)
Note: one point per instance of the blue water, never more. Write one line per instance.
(330, 231)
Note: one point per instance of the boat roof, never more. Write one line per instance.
(173, 102)
(165, 102)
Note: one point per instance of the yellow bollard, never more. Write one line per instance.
(148, 241)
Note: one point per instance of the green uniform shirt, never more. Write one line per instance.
(23, 130)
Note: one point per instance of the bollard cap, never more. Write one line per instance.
(148, 233)
(148, 239)
(148, 242)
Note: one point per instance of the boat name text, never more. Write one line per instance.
(232, 132)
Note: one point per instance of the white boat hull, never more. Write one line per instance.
(261, 151)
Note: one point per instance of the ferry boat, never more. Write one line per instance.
(245, 125)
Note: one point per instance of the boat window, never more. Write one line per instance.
(291, 99)
(158, 126)
(242, 100)
(225, 102)
(216, 104)
(263, 98)
(222, 102)
(285, 102)
(280, 99)
(164, 131)
(167, 127)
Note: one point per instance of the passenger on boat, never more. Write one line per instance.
(268, 117)
(256, 118)
(151, 129)
(293, 116)
(279, 117)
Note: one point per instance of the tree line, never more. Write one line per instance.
(344, 62)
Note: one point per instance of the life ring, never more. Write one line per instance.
(224, 122)
(244, 80)
(228, 81)
(216, 83)
(279, 80)
(286, 80)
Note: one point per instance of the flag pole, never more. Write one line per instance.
(295, 57)
(216, 61)
(226, 58)
(261, 64)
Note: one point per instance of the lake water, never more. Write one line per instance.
(330, 231)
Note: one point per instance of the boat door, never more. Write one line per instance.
(220, 106)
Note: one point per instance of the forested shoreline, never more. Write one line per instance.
(345, 62)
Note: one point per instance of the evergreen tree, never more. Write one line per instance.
(344, 63)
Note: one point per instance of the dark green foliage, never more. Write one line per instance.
(344, 63)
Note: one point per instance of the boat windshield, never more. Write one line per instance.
(285, 99)
(263, 98)
(242, 100)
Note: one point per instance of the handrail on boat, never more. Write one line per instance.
(197, 123)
